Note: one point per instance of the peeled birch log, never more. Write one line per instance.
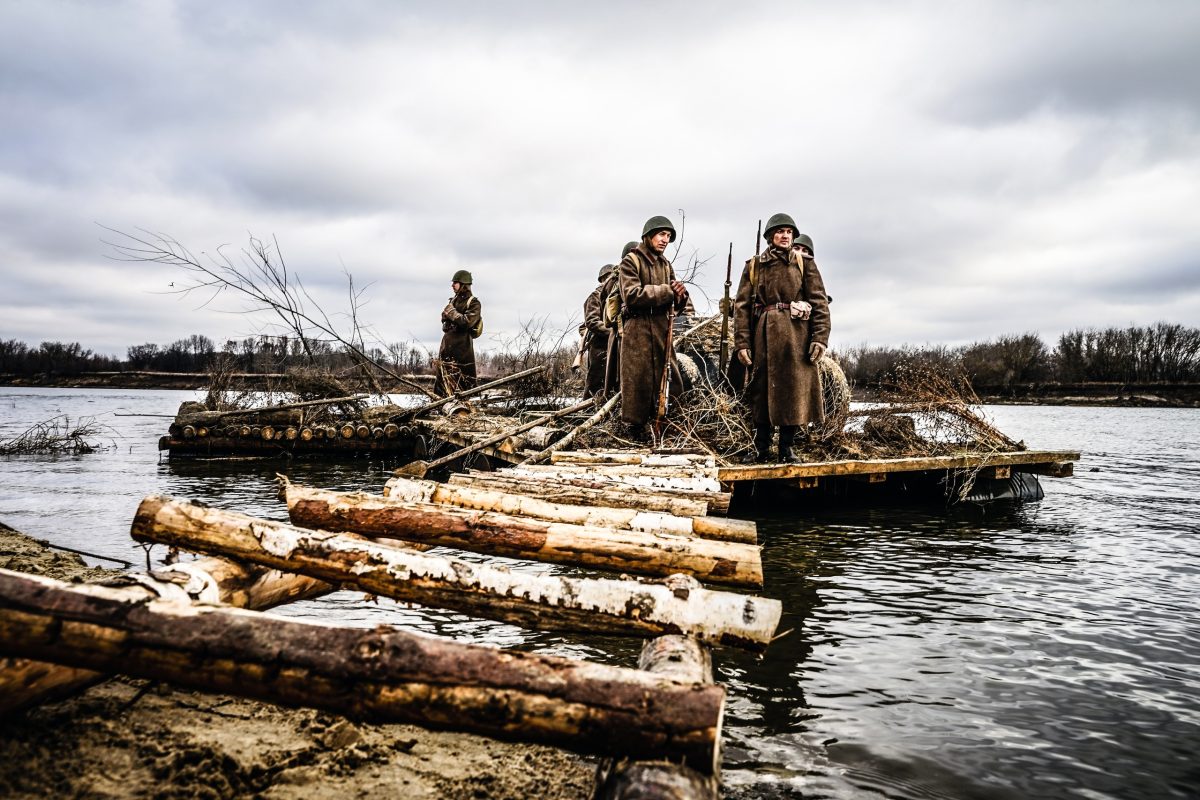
(714, 502)
(422, 491)
(378, 675)
(25, 683)
(681, 659)
(549, 602)
(562, 492)
(644, 459)
(700, 489)
(731, 563)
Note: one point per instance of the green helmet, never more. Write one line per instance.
(778, 221)
(656, 224)
(607, 268)
(628, 246)
(806, 240)
(462, 276)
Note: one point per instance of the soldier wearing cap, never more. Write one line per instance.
(462, 323)
(596, 335)
(781, 331)
(649, 298)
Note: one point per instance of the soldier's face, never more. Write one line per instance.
(782, 237)
(456, 286)
(660, 240)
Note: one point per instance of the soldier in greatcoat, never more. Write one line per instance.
(610, 304)
(781, 330)
(462, 322)
(596, 336)
(650, 296)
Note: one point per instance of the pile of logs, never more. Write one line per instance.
(200, 624)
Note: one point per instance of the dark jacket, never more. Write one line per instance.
(784, 387)
(457, 351)
(597, 337)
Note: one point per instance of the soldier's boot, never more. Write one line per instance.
(787, 440)
(762, 444)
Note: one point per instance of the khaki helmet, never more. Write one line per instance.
(462, 276)
(778, 221)
(628, 246)
(656, 224)
(804, 239)
(607, 268)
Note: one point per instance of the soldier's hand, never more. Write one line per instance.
(744, 357)
(800, 309)
(679, 289)
(815, 351)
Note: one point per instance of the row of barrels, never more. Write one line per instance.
(291, 433)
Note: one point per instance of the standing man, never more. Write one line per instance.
(596, 336)
(781, 330)
(610, 304)
(650, 295)
(462, 323)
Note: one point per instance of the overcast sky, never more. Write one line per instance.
(966, 169)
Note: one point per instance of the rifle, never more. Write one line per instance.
(664, 387)
(726, 312)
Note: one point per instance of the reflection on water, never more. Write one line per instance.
(1009, 650)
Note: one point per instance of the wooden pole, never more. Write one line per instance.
(419, 469)
(379, 675)
(26, 683)
(542, 601)
(730, 563)
(519, 504)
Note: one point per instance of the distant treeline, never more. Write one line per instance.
(1160, 353)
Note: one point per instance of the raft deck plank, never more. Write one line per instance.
(1040, 459)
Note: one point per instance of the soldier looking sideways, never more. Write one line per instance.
(610, 304)
(462, 323)
(597, 335)
(781, 330)
(650, 295)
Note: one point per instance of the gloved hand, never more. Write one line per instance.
(815, 351)
(744, 357)
(800, 309)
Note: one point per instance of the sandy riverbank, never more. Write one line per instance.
(134, 738)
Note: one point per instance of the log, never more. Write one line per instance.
(643, 459)
(483, 387)
(561, 492)
(600, 414)
(697, 486)
(379, 675)
(208, 417)
(682, 659)
(26, 684)
(540, 601)
(731, 563)
(713, 501)
(518, 504)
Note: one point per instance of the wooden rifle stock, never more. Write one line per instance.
(726, 312)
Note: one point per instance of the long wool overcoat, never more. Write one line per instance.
(612, 365)
(457, 352)
(784, 386)
(597, 333)
(646, 298)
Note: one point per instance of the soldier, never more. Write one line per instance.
(804, 244)
(650, 295)
(781, 330)
(610, 304)
(596, 336)
(462, 322)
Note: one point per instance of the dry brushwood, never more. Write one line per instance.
(56, 435)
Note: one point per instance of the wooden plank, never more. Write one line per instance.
(1064, 469)
(996, 473)
(752, 472)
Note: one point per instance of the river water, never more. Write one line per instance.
(1010, 650)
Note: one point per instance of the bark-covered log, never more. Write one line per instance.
(377, 675)
(482, 499)
(643, 459)
(676, 605)
(569, 493)
(682, 659)
(731, 563)
(27, 683)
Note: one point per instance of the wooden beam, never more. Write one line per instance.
(863, 466)
(1064, 469)
(996, 473)
(378, 675)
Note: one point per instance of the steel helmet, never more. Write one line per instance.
(462, 276)
(628, 246)
(656, 224)
(607, 268)
(806, 240)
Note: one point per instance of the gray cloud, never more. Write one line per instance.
(966, 171)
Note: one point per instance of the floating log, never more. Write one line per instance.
(548, 602)
(560, 492)
(713, 502)
(482, 499)
(25, 683)
(682, 659)
(379, 675)
(731, 563)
